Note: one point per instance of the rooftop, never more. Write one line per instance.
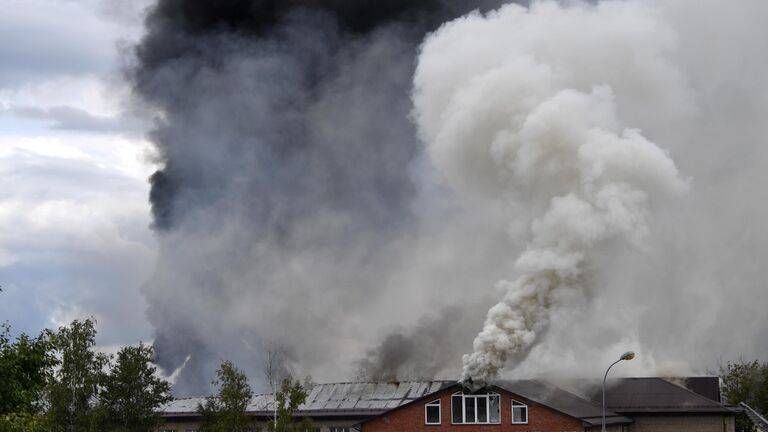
(333, 399)
(639, 395)
(623, 396)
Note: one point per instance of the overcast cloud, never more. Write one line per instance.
(75, 240)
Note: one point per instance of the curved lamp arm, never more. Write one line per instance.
(629, 355)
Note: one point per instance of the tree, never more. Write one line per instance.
(132, 393)
(25, 366)
(276, 368)
(73, 389)
(226, 413)
(291, 395)
(746, 382)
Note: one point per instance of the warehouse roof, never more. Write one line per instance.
(365, 399)
(334, 399)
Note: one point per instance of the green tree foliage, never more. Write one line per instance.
(23, 422)
(25, 365)
(226, 413)
(73, 389)
(291, 395)
(746, 382)
(57, 382)
(131, 392)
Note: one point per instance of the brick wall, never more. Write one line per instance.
(411, 418)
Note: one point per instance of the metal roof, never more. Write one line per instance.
(562, 400)
(334, 399)
(656, 395)
(366, 399)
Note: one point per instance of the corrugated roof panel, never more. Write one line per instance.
(260, 403)
(331, 404)
(313, 393)
(324, 393)
(419, 389)
(384, 391)
(356, 390)
(352, 395)
(333, 397)
(378, 404)
(363, 404)
(435, 386)
(394, 403)
(185, 405)
(402, 390)
(340, 391)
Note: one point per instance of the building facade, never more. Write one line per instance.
(633, 405)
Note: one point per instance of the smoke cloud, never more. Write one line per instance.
(287, 191)
(535, 111)
(530, 126)
(334, 183)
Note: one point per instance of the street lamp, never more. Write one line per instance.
(629, 355)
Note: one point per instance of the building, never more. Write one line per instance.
(633, 405)
(336, 407)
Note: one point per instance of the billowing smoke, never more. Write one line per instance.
(530, 126)
(334, 184)
(410, 353)
(287, 183)
(538, 107)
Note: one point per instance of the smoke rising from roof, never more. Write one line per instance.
(493, 135)
(530, 126)
(297, 207)
(287, 190)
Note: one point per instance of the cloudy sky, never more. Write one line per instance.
(74, 237)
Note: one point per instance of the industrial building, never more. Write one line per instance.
(633, 405)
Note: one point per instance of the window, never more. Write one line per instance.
(519, 412)
(471, 408)
(432, 412)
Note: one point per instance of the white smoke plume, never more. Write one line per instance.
(510, 111)
(296, 206)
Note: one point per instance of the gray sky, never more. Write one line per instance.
(74, 240)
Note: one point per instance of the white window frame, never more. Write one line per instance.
(475, 397)
(436, 403)
(518, 404)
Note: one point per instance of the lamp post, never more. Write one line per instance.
(629, 355)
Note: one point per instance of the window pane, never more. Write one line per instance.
(456, 409)
(482, 409)
(469, 409)
(433, 414)
(494, 409)
(520, 414)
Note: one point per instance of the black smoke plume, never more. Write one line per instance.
(287, 183)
